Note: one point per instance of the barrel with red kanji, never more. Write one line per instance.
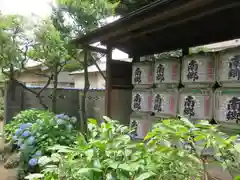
(198, 70)
(167, 72)
(227, 108)
(228, 67)
(165, 102)
(142, 100)
(196, 104)
(142, 74)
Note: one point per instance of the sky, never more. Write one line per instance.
(26, 7)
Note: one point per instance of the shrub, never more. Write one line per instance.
(27, 116)
(174, 149)
(34, 137)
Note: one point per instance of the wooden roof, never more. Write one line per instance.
(170, 24)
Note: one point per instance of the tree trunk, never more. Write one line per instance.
(54, 91)
(84, 95)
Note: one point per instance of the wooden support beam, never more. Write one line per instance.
(108, 88)
(185, 51)
(95, 49)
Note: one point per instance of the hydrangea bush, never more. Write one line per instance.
(34, 138)
(27, 116)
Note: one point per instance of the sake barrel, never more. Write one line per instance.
(227, 109)
(165, 102)
(142, 100)
(167, 72)
(142, 74)
(198, 70)
(228, 65)
(196, 104)
(141, 125)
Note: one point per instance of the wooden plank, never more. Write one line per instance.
(108, 82)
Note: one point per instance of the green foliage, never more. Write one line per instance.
(11, 38)
(27, 116)
(84, 15)
(49, 48)
(34, 131)
(174, 149)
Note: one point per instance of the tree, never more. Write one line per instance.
(14, 45)
(74, 18)
(50, 50)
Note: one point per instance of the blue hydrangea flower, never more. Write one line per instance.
(38, 153)
(18, 131)
(26, 134)
(33, 162)
(60, 122)
(23, 126)
(69, 126)
(31, 140)
(74, 120)
(60, 116)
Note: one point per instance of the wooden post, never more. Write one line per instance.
(185, 51)
(108, 88)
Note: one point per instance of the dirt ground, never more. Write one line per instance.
(6, 174)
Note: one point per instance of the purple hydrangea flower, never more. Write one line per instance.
(26, 134)
(60, 116)
(23, 126)
(31, 140)
(38, 153)
(33, 162)
(18, 131)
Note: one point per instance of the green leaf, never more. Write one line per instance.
(125, 167)
(87, 170)
(34, 176)
(93, 121)
(145, 175)
(89, 153)
(237, 178)
(107, 119)
(44, 160)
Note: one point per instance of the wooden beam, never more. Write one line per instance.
(108, 88)
(185, 51)
(96, 49)
(175, 23)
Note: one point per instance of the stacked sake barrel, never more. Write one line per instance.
(227, 98)
(165, 94)
(142, 80)
(155, 93)
(198, 78)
